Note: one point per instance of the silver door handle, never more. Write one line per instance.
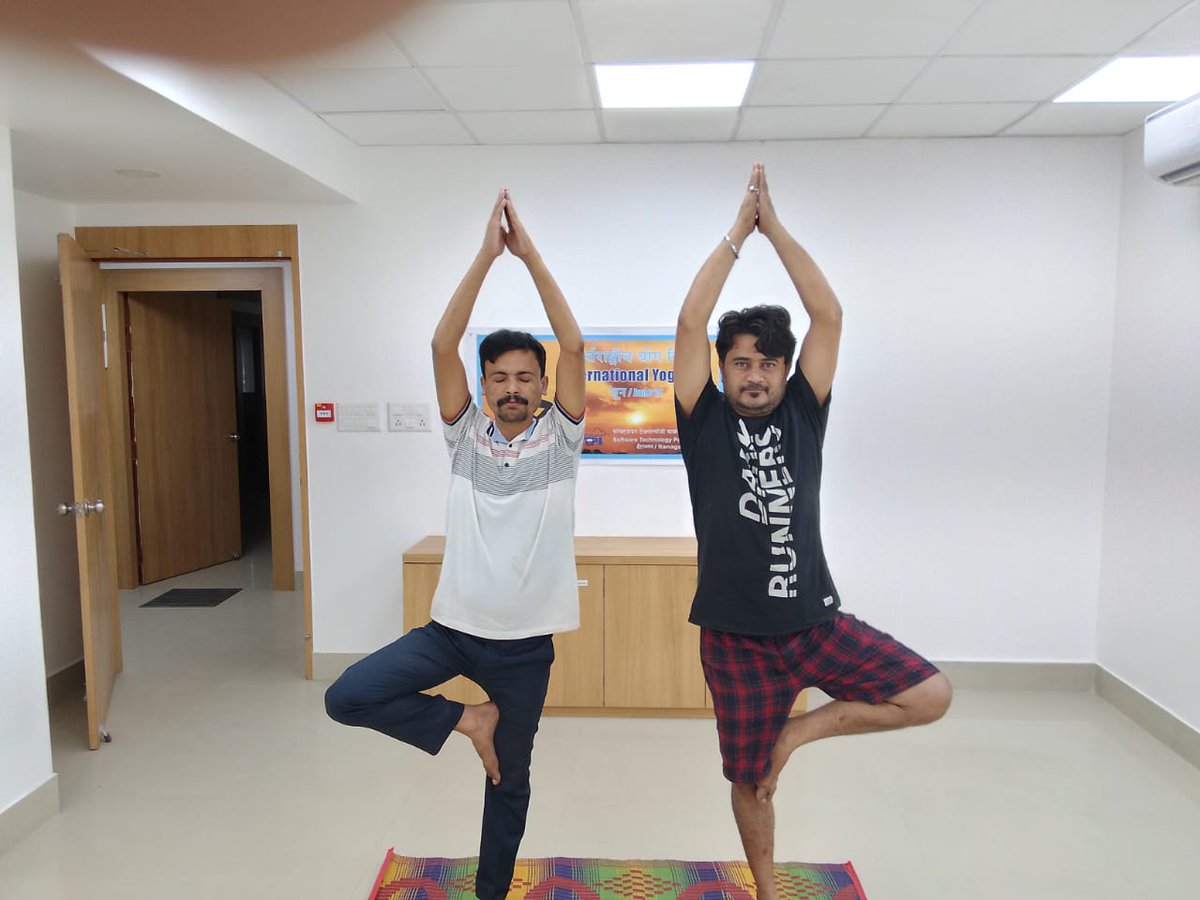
(234, 436)
(81, 509)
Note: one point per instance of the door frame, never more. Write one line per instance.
(158, 254)
(268, 282)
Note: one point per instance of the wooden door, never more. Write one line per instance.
(94, 532)
(651, 651)
(184, 432)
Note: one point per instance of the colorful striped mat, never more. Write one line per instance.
(562, 878)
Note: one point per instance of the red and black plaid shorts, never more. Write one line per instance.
(755, 679)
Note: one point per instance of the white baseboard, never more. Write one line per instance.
(1019, 676)
(1159, 722)
(29, 813)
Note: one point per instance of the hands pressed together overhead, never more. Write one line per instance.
(505, 229)
(756, 210)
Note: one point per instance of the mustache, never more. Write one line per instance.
(507, 400)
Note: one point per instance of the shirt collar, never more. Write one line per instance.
(498, 437)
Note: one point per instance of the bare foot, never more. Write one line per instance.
(789, 739)
(478, 722)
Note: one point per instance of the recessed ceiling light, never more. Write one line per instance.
(673, 85)
(1138, 79)
(138, 173)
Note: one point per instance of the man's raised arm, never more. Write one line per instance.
(453, 391)
(819, 349)
(693, 354)
(569, 377)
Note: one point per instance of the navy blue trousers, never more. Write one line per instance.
(383, 692)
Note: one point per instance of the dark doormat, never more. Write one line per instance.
(192, 597)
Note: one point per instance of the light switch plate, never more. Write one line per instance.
(357, 416)
(408, 417)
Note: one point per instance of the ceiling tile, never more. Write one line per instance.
(669, 125)
(357, 90)
(856, 28)
(376, 50)
(1084, 118)
(499, 88)
(948, 119)
(791, 123)
(501, 33)
(852, 81)
(673, 30)
(997, 78)
(1058, 27)
(564, 127)
(1177, 36)
(400, 128)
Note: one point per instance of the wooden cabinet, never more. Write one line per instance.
(577, 677)
(652, 652)
(420, 581)
(635, 652)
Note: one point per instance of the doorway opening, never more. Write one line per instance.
(198, 439)
(254, 473)
(96, 274)
(190, 329)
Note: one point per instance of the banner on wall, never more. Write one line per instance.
(630, 391)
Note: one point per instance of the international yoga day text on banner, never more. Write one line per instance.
(630, 392)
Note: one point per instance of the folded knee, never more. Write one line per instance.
(341, 704)
(933, 700)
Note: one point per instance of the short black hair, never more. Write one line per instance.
(500, 342)
(770, 325)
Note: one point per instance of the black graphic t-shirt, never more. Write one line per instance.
(755, 485)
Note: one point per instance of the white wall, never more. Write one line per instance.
(38, 222)
(1149, 600)
(25, 733)
(965, 458)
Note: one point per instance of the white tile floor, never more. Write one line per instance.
(226, 780)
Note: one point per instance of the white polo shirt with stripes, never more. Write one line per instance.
(509, 567)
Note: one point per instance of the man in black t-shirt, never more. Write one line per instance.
(765, 602)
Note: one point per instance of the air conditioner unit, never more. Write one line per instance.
(1172, 143)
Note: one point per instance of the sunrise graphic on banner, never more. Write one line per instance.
(630, 393)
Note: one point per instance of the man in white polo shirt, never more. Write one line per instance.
(508, 576)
